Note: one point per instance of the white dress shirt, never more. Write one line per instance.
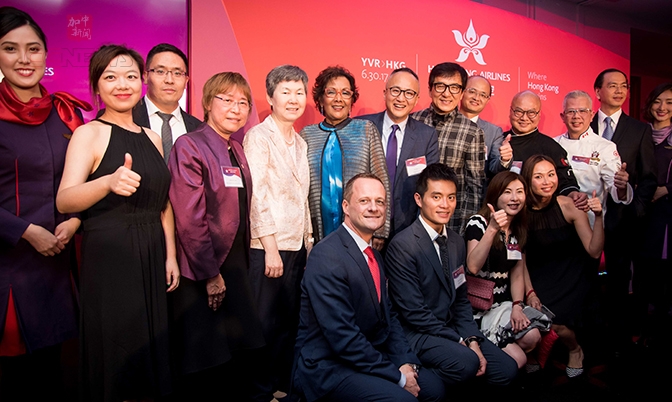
(177, 125)
(614, 120)
(387, 130)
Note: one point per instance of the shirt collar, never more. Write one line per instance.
(388, 123)
(614, 117)
(152, 109)
(433, 234)
(581, 137)
(474, 119)
(361, 244)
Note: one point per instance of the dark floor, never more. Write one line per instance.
(641, 370)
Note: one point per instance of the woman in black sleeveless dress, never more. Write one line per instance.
(115, 174)
(561, 249)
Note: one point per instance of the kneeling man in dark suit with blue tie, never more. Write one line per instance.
(350, 346)
(425, 264)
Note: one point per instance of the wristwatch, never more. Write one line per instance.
(471, 339)
(415, 367)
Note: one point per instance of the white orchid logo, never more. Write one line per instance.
(471, 43)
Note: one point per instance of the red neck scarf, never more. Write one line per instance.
(35, 111)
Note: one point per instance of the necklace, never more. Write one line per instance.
(290, 143)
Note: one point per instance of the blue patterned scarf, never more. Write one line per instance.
(332, 181)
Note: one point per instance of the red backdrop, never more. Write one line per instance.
(371, 38)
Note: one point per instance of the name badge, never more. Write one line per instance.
(415, 166)
(513, 252)
(232, 177)
(458, 277)
(516, 166)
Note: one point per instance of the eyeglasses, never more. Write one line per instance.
(531, 114)
(440, 87)
(243, 105)
(408, 93)
(614, 86)
(345, 93)
(574, 112)
(475, 92)
(161, 72)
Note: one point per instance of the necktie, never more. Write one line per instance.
(373, 267)
(443, 251)
(608, 131)
(166, 134)
(332, 182)
(391, 154)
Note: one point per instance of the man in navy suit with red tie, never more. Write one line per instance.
(350, 346)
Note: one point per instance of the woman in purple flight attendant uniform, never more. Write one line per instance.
(37, 299)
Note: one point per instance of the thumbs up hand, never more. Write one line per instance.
(505, 150)
(498, 220)
(621, 177)
(594, 204)
(124, 181)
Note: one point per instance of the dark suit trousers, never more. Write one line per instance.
(364, 387)
(455, 363)
(619, 246)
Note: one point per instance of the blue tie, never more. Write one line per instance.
(608, 131)
(332, 182)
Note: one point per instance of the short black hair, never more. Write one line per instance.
(328, 74)
(12, 18)
(167, 47)
(436, 172)
(448, 70)
(405, 70)
(599, 81)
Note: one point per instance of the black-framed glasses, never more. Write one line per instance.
(162, 73)
(345, 93)
(408, 93)
(574, 112)
(531, 114)
(440, 87)
(476, 92)
(229, 103)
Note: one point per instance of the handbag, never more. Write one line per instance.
(479, 292)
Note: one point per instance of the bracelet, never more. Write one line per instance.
(529, 292)
(517, 302)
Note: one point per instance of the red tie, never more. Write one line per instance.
(373, 267)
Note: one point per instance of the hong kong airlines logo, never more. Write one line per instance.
(471, 44)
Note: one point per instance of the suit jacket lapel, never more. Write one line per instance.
(594, 125)
(360, 260)
(427, 246)
(621, 128)
(410, 137)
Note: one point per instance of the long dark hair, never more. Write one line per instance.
(532, 199)
(496, 188)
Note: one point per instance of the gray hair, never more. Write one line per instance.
(575, 95)
(282, 73)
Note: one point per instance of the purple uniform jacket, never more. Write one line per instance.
(31, 165)
(206, 211)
